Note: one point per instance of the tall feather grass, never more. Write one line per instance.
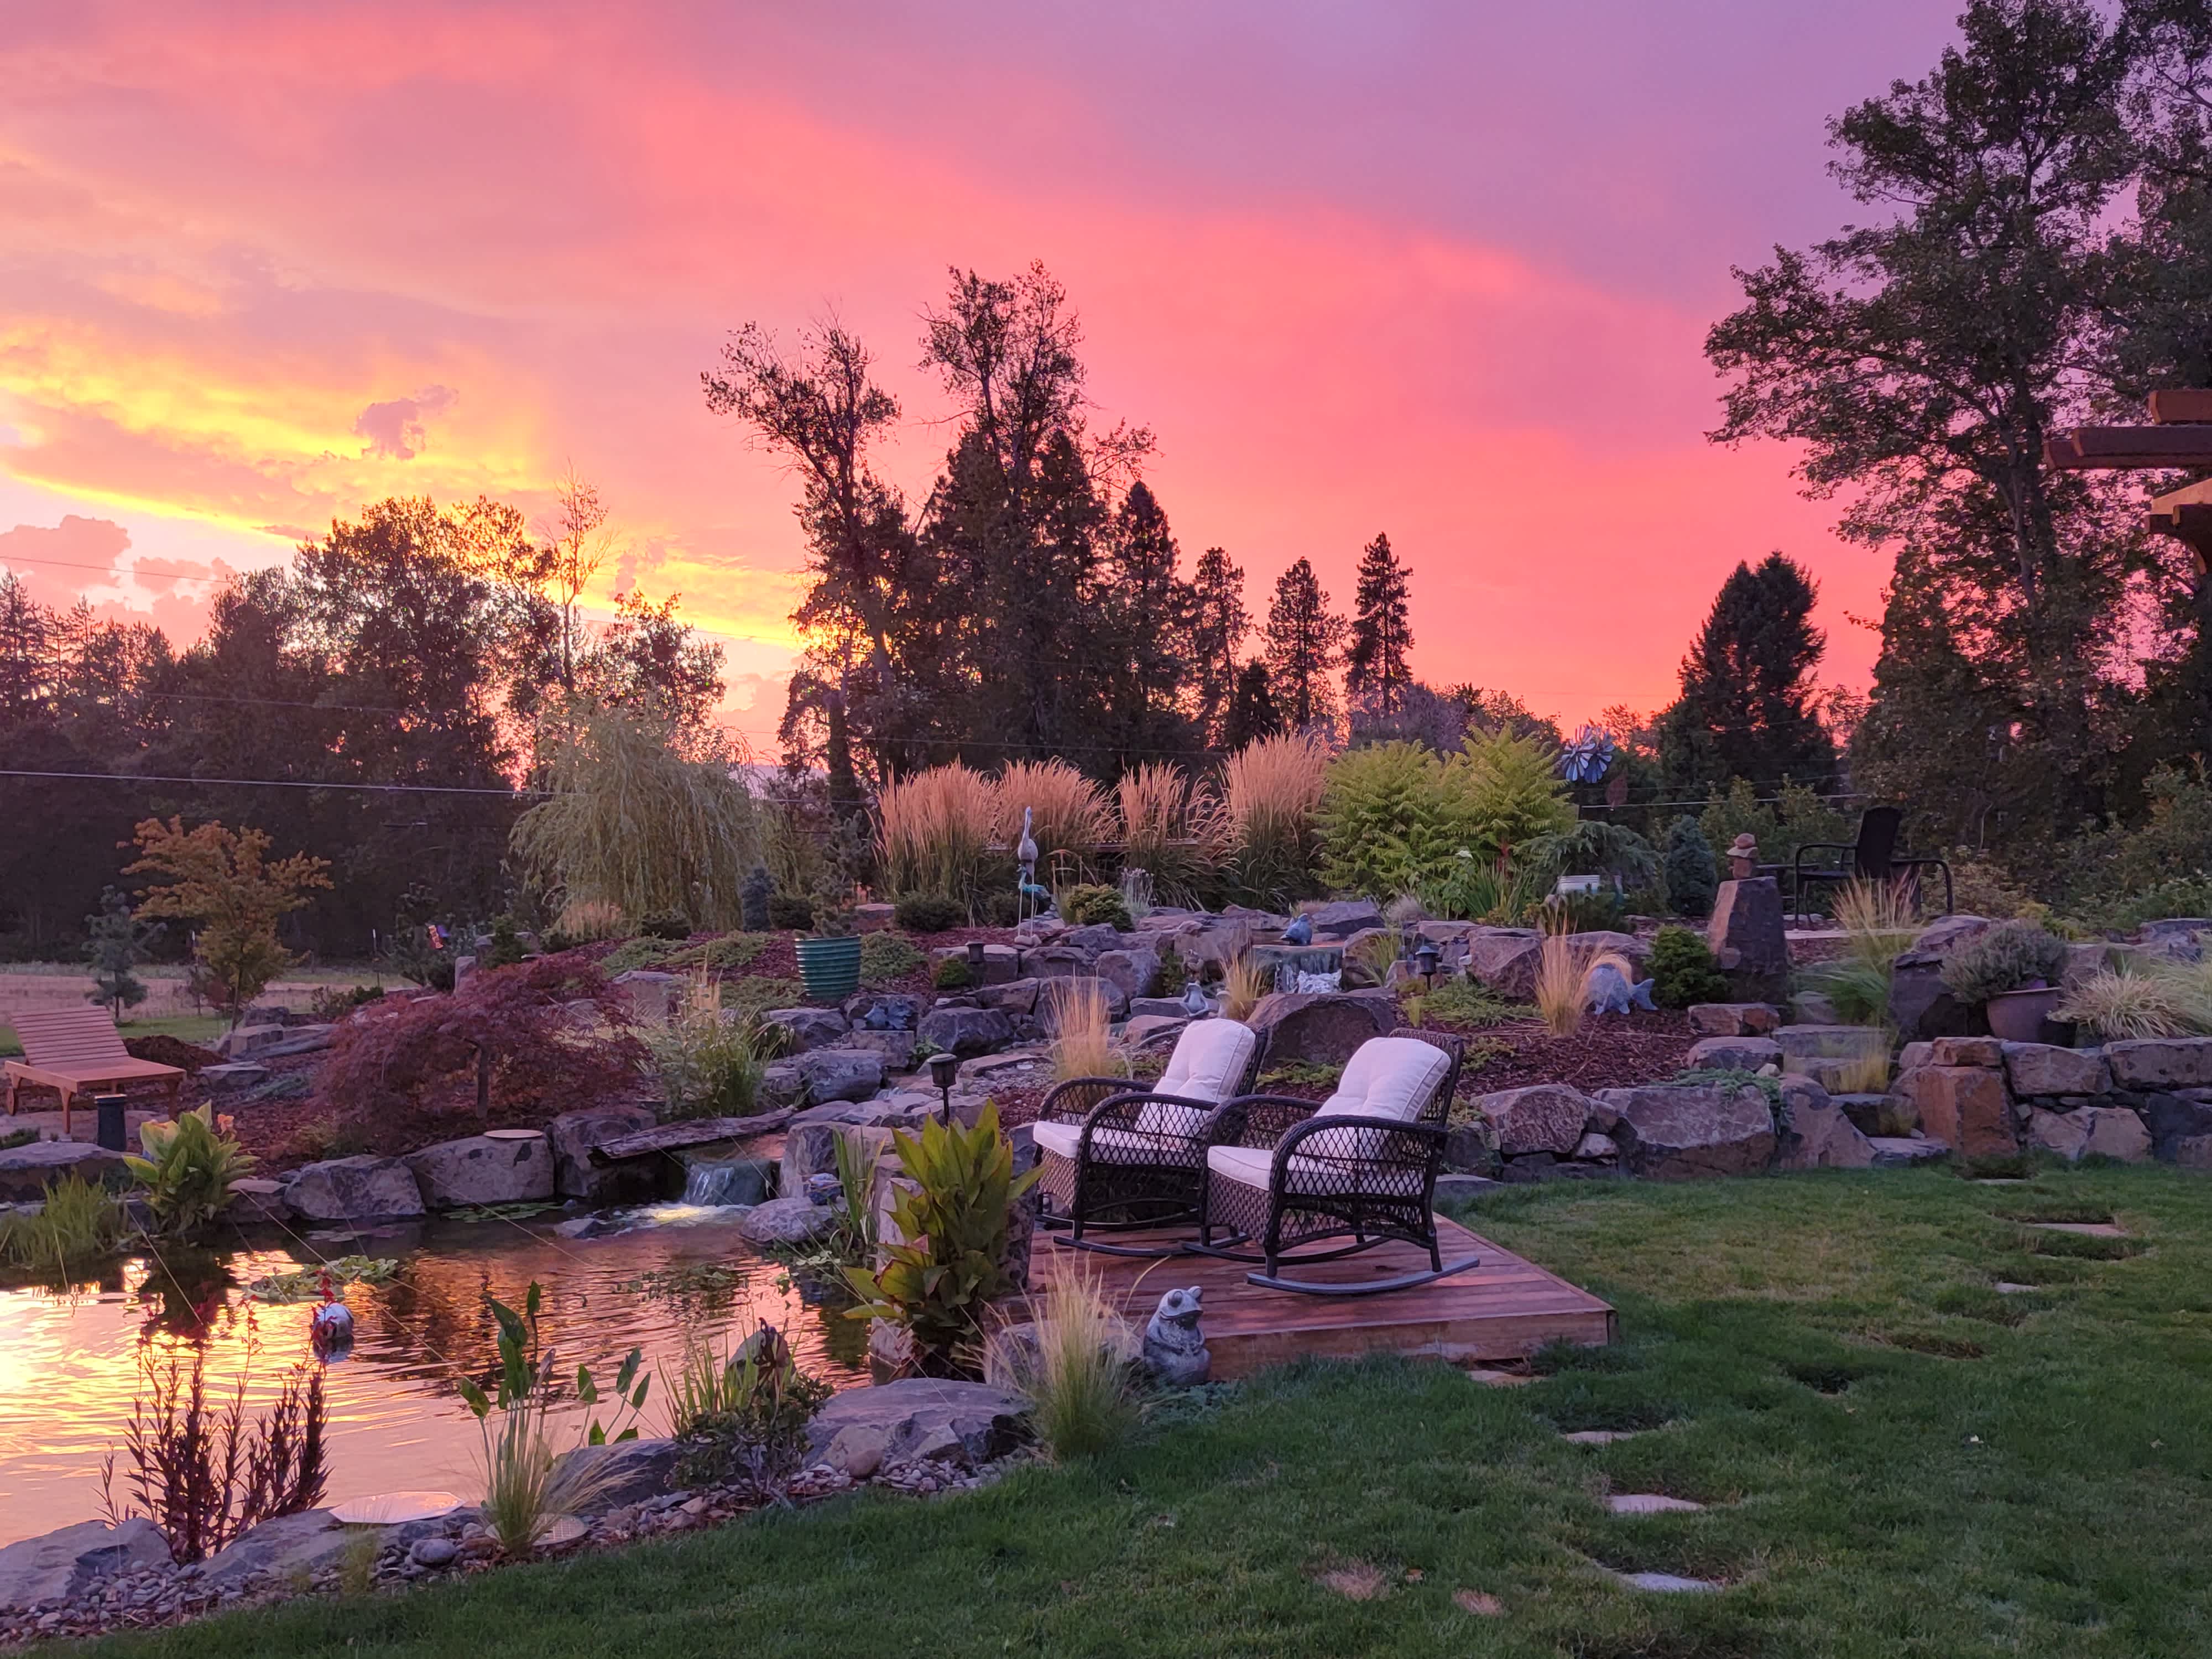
(1563, 970)
(1271, 788)
(1083, 1043)
(1077, 1368)
(1245, 983)
(1068, 811)
(933, 832)
(636, 822)
(1879, 919)
(1173, 830)
(2126, 1000)
(588, 920)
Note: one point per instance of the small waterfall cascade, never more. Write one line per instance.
(708, 1184)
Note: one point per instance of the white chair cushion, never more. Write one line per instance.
(1209, 1060)
(1064, 1139)
(1388, 1077)
(1253, 1166)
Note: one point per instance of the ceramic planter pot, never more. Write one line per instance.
(831, 967)
(2017, 1016)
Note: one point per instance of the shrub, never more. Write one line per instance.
(1392, 817)
(792, 911)
(929, 913)
(1468, 1002)
(1797, 816)
(1271, 788)
(1685, 864)
(187, 1170)
(1076, 1368)
(933, 833)
(331, 1003)
(709, 1065)
(954, 1221)
(115, 943)
(1173, 977)
(666, 924)
(2007, 957)
(510, 1037)
(742, 1418)
(1094, 906)
(753, 897)
(504, 948)
(79, 1223)
(637, 818)
(1512, 792)
(1083, 1045)
(885, 956)
(950, 974)
(587, 920)
(223, 881)
(1500, 892)
(1683, 970)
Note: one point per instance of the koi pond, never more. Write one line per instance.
(70, 1357)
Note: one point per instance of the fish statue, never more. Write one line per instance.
(1611, 993)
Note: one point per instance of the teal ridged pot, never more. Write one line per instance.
(830, 968)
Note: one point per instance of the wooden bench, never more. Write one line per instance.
(78, 1051)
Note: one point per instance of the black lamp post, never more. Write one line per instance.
(1425, 960)
(944, 1067)
(976, 959)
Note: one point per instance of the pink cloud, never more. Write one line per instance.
(395, 429)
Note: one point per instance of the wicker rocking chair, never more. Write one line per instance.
(1116, 1159)
(1364, 1167)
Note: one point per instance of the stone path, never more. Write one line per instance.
(1649, 1502)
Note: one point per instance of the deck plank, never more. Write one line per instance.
(1505, 1307)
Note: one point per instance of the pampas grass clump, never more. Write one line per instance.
(1563, 970)
(1067, 812)
(934, 835)
(1271, 789)
(1083, 1043)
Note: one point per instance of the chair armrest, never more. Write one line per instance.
(1299, 1134)
(1078, 1096)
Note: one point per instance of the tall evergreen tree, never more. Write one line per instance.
(1303, 644)
(1252, 712)
(1745, 709)
(24, 627)
(1218, 623)
(1376, 669)
(1152, 609)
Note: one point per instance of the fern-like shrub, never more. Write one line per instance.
(1393, 818)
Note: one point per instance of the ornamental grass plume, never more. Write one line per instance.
(1563, 970)
(1068, 812)
(1083, 1045)
(1245, 983)
(1076, 1363)
(2125, 1001)
(933, 830)
(1173, 830)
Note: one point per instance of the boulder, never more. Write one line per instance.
(1817, 1132)
(1322, 1028)
(841, 1073)
(796, 1220)
(1729, 1019)
(26, 1171)
(297, 1040)
(966, 1031)
(1054, 994)
(2063, 1133)
(1334, 923)
(288, 1546)
(1504, 959)
(610, 1476)
(1673, 1132)
(1965, 1107)
(652, 994)
(245, 1040)
(1735, 1053)
(478, 1169)
(59, 1565)
(1597, 1147)
(255, 1199)
(2182, 938)
(873, 918)
(1913, 1055)
(2162, 1062)
(1920, 1005)
(1982, 1051)
(894, 1049)
(2040, 1068)
(1057, 961)
(572, 1136)
(1903, 1152)
(361, 1188)
(1001, 963)
(1157, 1007)
(1546, 1117)
(884, 1011)
(1813, 1008)
(1015, 996)
(1153, 1031)
(806, 1029)
(782, 1083)
(1130, 971)
(963, 1423)
(1094, 939)
(1746, 933)
(810, 1149)
(1844, 1058)
(2115, 1133)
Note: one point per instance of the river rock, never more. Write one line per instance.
(457, 1175)
(58, 1566)
(841, 1073)
(806, 1029)
(1734, 1053)
(26, 1171)
(1546, 1117)
(1322, 1028)
(966, 1031)
(2039, 1068)
(360, 1188)
(290, 1544)
(785, 1221)
(1675, 1132)
(918, 1416)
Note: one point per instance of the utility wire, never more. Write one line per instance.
(275, 783)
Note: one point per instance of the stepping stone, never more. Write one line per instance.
(2005, 1287)
(1499, 1379)
(1665, 1583)
(1599, 1436)
(1648, 1503)
(2086, 1228)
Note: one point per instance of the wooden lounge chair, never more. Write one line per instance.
(1874, 857)
(1116, 1158)
(1364, 1166)
(78, 1051)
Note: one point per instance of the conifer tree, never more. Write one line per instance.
(1376, 669)
(1745, 709)
(1218, 623)
(1303, 648)
(1252, 711)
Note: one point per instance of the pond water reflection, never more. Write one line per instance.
(70, 1360)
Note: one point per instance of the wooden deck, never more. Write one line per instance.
(1503, 1308)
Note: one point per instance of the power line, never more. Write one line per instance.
(274, 783)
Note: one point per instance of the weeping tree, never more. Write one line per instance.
(641, 817)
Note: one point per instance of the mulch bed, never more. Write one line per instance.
(166, 1051)
(1610, 1051)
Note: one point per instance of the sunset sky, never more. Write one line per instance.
(1441, 270)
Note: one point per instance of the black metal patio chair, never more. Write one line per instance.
(1873, 857)
(1363, 1167)
(1118, 1159)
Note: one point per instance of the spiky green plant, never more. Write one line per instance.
(1076, 1364)
(78, 1223)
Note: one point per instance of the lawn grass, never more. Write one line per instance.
(202, 1029)
(1898, 1459)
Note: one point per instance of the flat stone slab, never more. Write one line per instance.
(1902, 1152)
(2085, 1229)
(1600, 1436)
(1665, 1583)
(25, 1172)
(2004, 1287)
(1649, 1502)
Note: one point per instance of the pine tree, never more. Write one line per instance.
(24, 670)
(1218, 623)
(1745, 709)
(115, 943)
(1376, 669)
(1303, 647)
(1252, 711)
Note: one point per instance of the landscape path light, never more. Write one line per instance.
(944, 1067)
